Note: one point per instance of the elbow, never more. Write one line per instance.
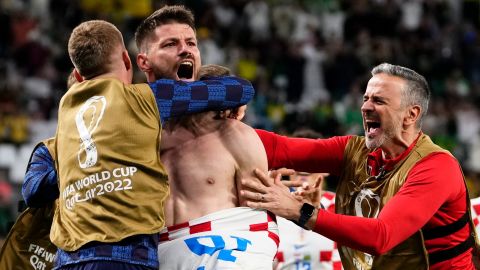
(377, 251)
(32, 195)
(383, 242)
(386, 245)
(30, 199)
(37, 200)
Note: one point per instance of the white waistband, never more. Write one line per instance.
(233, 219)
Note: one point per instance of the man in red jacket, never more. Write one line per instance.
(402, 201)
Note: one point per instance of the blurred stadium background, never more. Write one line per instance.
(309, 61)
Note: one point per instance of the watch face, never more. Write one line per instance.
(307, 209)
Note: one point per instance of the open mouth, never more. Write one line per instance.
(185, 71)
(372, 126)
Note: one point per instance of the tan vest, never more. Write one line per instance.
(359, 194)
(28, 246)
(111, 181)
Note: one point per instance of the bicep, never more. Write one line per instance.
(301, 154)
(429, 185)
(413, 206)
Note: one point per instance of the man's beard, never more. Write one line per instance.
(160, 74)
(375, 142)
(388, 133)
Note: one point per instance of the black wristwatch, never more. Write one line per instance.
(306, 212)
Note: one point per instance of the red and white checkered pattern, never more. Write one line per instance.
(235, 238)
(328, 201)
(301, 249)
(224, 221)
(475, 204)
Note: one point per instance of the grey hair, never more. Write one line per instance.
(416, 92)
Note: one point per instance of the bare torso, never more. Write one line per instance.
(205, 160)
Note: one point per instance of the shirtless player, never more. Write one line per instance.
(205, 160)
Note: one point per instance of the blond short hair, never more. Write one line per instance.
(90, 47)
(213, 71)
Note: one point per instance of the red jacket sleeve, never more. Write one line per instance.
(433, 194)
(307, 155)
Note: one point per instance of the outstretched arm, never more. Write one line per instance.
(402, 216)
(40, 183)
(177, 98)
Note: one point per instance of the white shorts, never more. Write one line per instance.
(236, 238)
(302, 249)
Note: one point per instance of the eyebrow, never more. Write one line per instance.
(177, 39)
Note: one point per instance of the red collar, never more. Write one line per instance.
(376, 162)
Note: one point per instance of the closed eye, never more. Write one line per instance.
(376, 100)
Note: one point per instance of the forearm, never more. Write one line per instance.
(177, 98)
(364, 234)
(414, 205)
(40, 183)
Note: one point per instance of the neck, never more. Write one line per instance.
(150, 77)
(396, 146)
(113, 74)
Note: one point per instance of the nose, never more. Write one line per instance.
(184, 49)
(367, 106)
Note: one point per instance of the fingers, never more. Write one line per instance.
(250, 195)
(266, 181)
(253, 185)
(255, 205)
(285, 171)
(278, 180)
(282, 171)
(318, 182)
(294, 183)
(305, 192)
(306, 186)
(299, 186)
(254, 199)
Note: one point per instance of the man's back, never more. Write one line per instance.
(97, 181)
(205, 159)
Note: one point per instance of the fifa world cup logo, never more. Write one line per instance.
(367, 204)
(91, 112)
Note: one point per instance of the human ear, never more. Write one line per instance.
(413, 114)
(143, 63)
(126, 60)
(77, 75)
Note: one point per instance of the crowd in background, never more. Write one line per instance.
(308, 59)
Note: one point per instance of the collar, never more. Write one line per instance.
(377, 165)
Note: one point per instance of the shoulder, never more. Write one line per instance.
(237, 128)
(142, 88)
(441, 161)
(240, 137)
(438, 169)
